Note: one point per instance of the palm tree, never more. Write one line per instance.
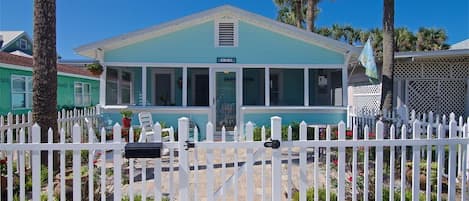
(405, 40)
(337, 31)
(45, 70)
(431, 39)
(388, 56)
(324, 31)
(288, 9)
(286, 16)
(311, 13)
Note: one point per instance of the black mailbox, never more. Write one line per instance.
(143, 150)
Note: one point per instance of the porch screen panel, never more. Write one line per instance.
(325, 87)
(286, 87)
(253, 86)
(198, 86)
(167, 86)
(111, 86)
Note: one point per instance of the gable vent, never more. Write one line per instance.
(226, 33)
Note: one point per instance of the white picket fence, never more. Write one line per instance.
(245, 169)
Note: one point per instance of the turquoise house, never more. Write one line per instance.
(227, 66)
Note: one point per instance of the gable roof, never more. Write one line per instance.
(461, 45)
(11, 36)
(7, 58)
(213, 14)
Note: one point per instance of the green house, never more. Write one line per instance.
(227, 66)
(75, 87)
(17, 42)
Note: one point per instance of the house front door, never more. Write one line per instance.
(225, 100)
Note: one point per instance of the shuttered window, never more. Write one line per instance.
(226, 33)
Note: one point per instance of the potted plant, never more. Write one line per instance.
(126, 118)
(96, 68)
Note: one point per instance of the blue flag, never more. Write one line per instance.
(367, 59)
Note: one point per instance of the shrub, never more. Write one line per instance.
(310, 195)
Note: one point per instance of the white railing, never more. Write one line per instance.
(333, 162)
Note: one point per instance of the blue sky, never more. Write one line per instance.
(84, 21)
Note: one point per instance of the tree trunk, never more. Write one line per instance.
(45, 71)
(298, 13)
(388, 56)
(311, 15)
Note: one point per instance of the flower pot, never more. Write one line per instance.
(126, 122)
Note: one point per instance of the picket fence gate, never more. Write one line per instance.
(185, 175)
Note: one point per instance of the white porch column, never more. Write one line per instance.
(345, 79)
(102, 77)
(102, 87)
(144, 85)
(267, 86)
(306, 86)
(211, 94)
(184, 86)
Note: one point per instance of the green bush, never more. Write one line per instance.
(139, 198)
(310, 195)
(295, 132)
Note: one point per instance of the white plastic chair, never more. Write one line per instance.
(146, 124)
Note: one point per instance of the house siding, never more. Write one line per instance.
(65, 90)
(196, 45)
(16, 46)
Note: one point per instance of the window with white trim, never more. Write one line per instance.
(23, 44)
(119, 89)
(82, 94)
(226, 33)
(21, 92)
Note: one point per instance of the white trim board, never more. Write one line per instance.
(221, 65)
(27, 68)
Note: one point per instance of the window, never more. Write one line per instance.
(82, 94)
(21, 92)
(23, 44)
(325, 87)
(286, 87)
(167, 90)
(197, 86)
(226, 32)
(119, 88)
(253, 86)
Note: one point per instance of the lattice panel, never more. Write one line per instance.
(366, 99)
(436, 70)
(367, 89)
(452, 96)
(439, 96)
(407, 70)
(460, 70)
(366, 104)
(423, 95)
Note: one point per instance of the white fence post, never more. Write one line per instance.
(209, 158)
(441, 159)
(76, 163)
(117, 156)
(403, 162)
(303, 171)
(379, 162)
(249, 163)
(276, 134)
(183, 129)
(452, 160)
(416, 162)
(36, 165)
(341, 164)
